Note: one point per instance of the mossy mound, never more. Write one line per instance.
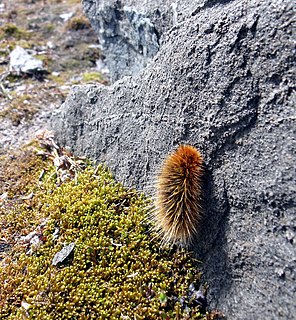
(10, 30)
(116, 270)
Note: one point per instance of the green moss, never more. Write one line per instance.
(78, 23)
(49, 28)
(73, 1)
(70, 64)
(10, 30)
(92, 77)
(19, 172)
(46, 59)
(117, 270)
(61, 78)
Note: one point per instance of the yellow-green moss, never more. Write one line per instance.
(19, 172)
(78, 23)
(49, 28)
(92, 77)
(117, 271)
(61, 78)
(10, 30)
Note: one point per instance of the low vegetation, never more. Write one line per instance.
(116, 268)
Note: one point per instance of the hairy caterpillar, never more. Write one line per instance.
(178, 206)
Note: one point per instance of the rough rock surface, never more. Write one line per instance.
(223, 81)
(130, 31)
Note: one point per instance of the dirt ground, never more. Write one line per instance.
(56, 32)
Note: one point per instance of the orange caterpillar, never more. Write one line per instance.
(178, 196)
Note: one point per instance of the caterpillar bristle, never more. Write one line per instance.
(178, 206)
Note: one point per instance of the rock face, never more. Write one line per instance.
(223, 81)
(130, 31)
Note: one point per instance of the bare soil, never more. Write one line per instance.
(57, 32)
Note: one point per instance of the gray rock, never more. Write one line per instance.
(130, 31)
(22, 61)
(63, 255)
(224, 82)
